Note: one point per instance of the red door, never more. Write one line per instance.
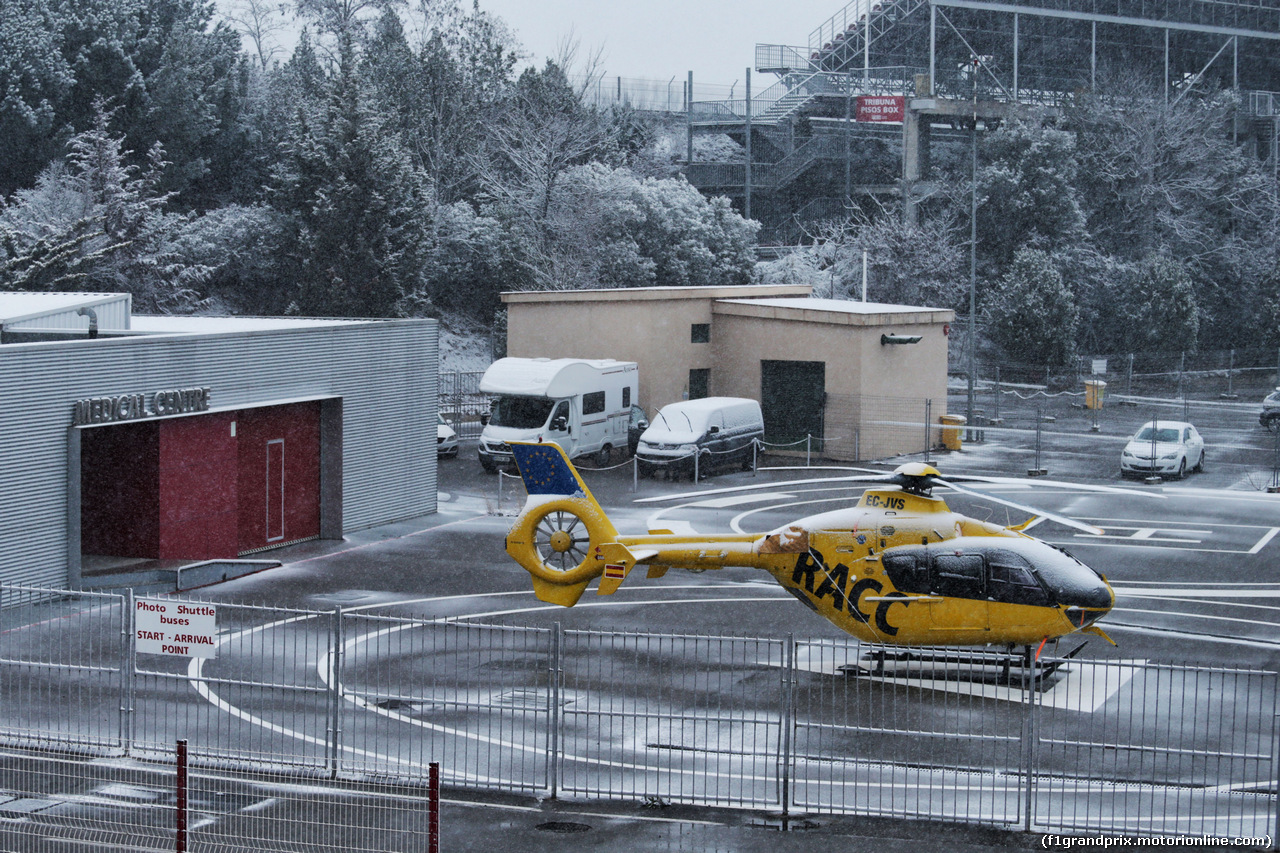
(275, 490)
(278, 448)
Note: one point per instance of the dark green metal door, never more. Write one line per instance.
(792, 394)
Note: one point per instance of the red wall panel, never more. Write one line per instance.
(289, 436)
(189, 489)
(198, 485)
(119, 501)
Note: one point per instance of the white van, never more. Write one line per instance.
(720, 431)
(583, 405)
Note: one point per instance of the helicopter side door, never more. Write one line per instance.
(1012, 582)
(960, 581)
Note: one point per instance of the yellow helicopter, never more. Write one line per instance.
(899, 568)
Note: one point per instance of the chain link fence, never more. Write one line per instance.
(317, 728)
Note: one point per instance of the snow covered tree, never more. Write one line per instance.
(1030, 314)
(353, 203)
(1027, 192)
(97, 223)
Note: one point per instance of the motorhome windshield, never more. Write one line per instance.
(520, 412)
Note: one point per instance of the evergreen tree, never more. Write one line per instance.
(1030, 314)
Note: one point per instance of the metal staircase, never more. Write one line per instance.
(840, 43)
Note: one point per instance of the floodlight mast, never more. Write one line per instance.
(973, 250)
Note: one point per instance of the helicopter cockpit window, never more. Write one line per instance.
(958, 575)
(908, 572)
(1012, 582)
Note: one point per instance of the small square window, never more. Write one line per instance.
(700, 333)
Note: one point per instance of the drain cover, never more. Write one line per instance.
(562, 826)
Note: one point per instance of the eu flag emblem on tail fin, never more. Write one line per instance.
(545, 470)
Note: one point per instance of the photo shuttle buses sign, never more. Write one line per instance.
(175, 628)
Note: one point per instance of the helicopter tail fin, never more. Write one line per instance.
(562, 538)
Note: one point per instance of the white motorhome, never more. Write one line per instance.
(583, 405)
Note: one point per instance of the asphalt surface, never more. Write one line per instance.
(388, 565)
(479, 822)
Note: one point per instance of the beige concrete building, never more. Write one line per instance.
(858, 380)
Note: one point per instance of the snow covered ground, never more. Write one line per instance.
(465, 345)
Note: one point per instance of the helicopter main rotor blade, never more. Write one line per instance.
(1053, 516)
(866, 474)
(1052, 484)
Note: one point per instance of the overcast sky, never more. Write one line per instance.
(660, 39)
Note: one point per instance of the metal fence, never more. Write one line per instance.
(351, 706)
(1207, 374)
(462, 404)
(66, 803)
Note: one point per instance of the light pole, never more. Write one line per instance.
(973, 252)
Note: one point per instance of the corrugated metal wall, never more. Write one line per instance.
(385, 372)
(113, 313)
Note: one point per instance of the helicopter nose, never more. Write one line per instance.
(1089, 604)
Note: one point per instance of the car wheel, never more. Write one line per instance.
(602, 458)
(1182, 468)
(1273, 422)
(644, 469)
(1200, 464)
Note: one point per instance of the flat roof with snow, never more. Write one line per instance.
(173, 324)
(646, 294)
(836, 311)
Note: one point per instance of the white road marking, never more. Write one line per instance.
(736, 500)
(195, 674)
(1195, 593)
(1148, 534)
(1271, 534)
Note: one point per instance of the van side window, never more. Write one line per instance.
(593, 403)
(626, 396)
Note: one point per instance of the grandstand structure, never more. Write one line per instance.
(856, 113)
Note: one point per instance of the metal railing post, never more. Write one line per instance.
(180, 806)
(334, 728)
(128, 673)
(554, 717)
(928, 417)
(433, 807)
(696, 473)
(786, 721)
(755, 456)
(808, 449)
(1028, 746)
(1275, 761)
(1039, 427)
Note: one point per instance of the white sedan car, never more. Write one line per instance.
(446, 438)
(1167, 448)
